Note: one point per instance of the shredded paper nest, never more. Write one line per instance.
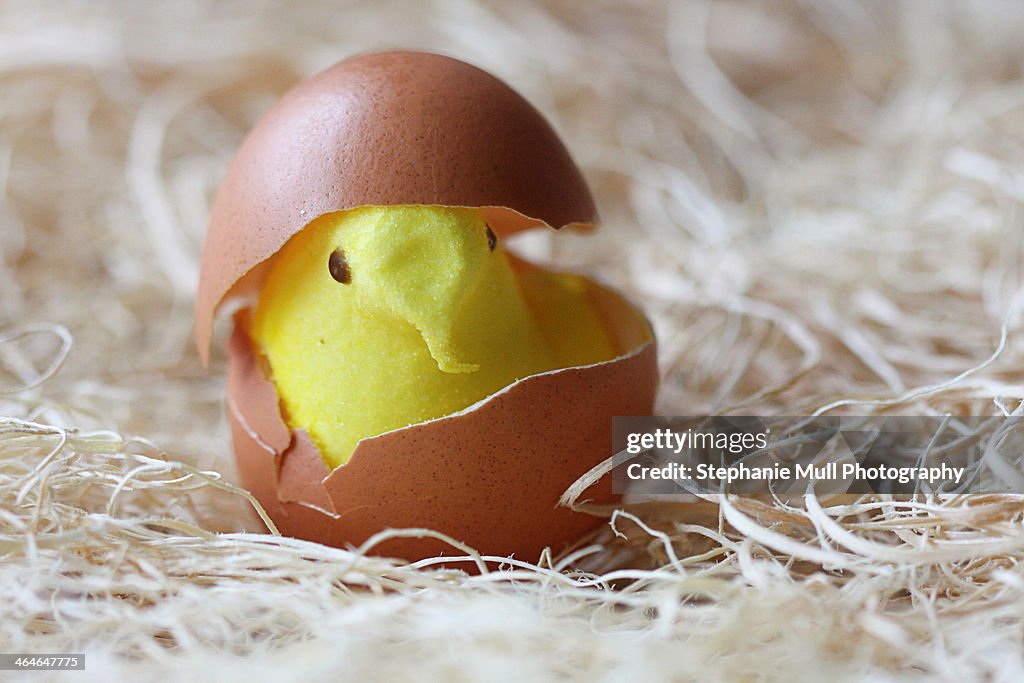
(817, 202)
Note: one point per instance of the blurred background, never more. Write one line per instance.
(815, 157)
(816, 201)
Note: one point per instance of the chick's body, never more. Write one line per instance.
(381, 317)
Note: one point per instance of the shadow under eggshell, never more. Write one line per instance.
(384, 129)
(489, 476)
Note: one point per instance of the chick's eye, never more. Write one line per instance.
(339, 267)
(492, 241)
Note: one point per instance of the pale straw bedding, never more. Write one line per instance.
(818, 203)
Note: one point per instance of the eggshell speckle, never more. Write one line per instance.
(384, 129)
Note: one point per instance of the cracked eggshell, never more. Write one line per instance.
(403, 128)
(489, 476)
(384, 129)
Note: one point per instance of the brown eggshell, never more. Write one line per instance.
(384, 129)
(489, 476)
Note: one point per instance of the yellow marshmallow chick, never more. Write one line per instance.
(377, 318)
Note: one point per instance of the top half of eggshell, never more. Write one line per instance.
(385, 129)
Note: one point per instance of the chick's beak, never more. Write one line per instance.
(423, 274)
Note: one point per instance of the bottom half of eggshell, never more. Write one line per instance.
(489, 476)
